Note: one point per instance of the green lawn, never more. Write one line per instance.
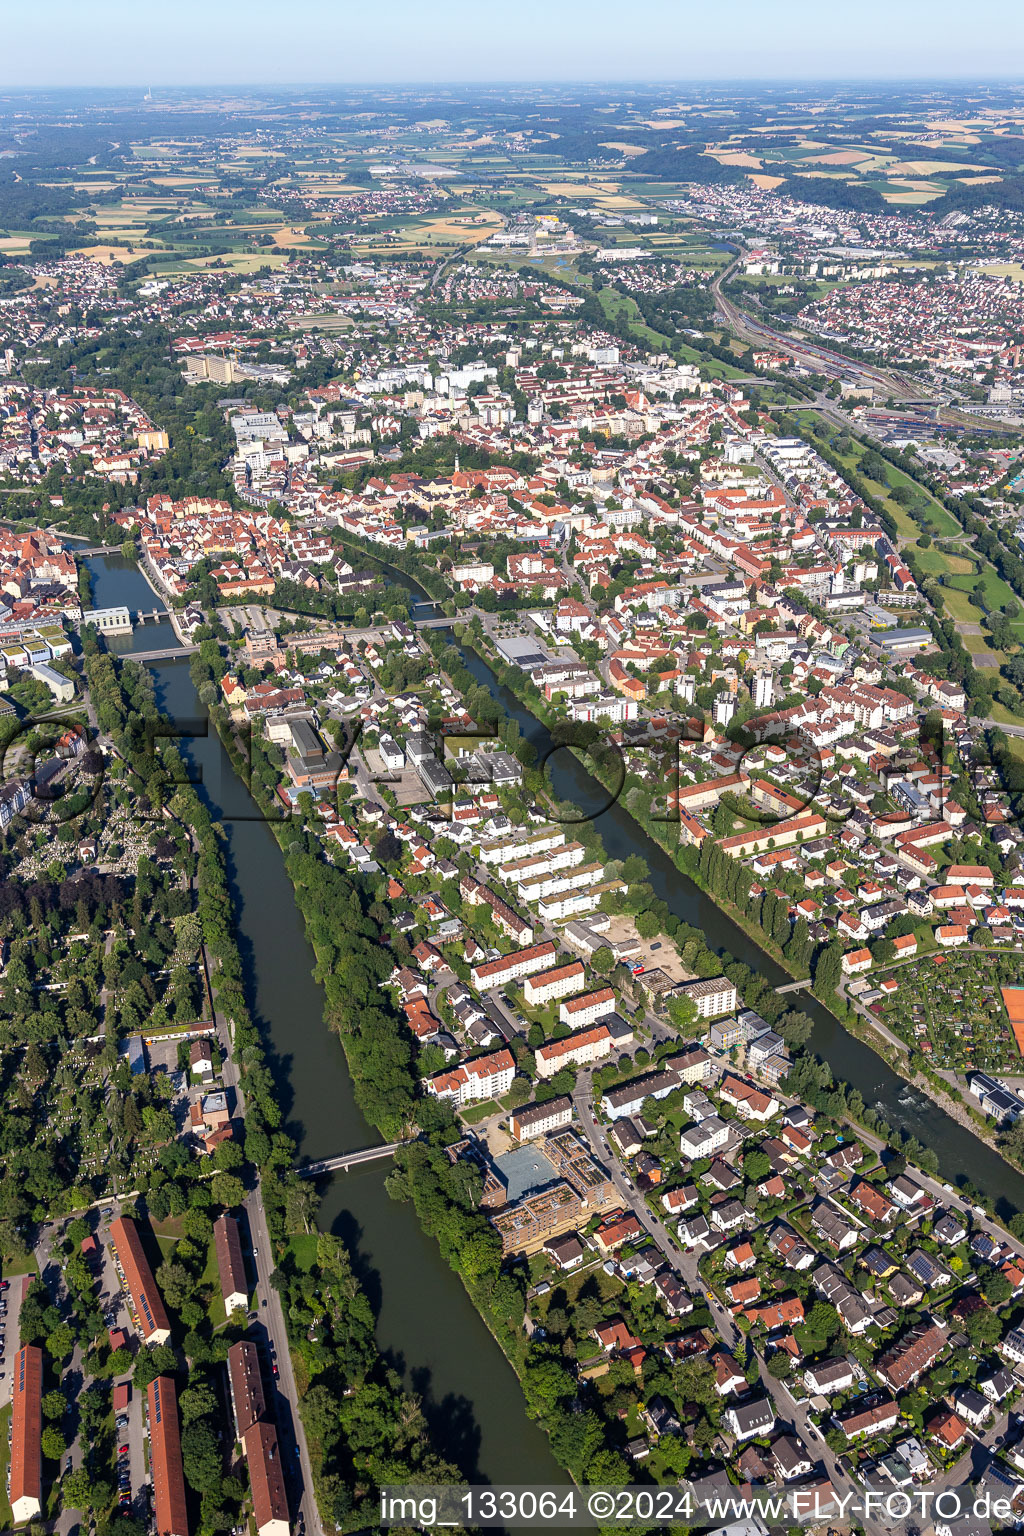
(479, 1112)
(211, 1277)
(5, 1456)
(935, 562)
(25, 1265)
(960, 606)
(609, 1286)
(997, 592)
(302, 1247)
(976, 643)
(622, 306)
(932, 519)
(936, 519)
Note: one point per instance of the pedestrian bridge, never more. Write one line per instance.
(346, 1160)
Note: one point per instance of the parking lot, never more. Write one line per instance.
(10, 1307)
(131, 1466)
(131, 1454)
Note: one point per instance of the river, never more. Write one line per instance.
(961, 1154)
(426, 1323)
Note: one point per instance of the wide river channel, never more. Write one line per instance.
(426, 1324)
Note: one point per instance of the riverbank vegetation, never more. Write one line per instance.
(727, 882)
(362, 1426)
(348, 922)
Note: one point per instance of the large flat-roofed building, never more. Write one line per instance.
(169, 1502)
(527, 1225)
(310, 765)
(230, 1264)
(147, 1303)
(26, 1494)
(266, 1479)
(554, 1205)
(248, 1398)
(109, 621)
(899, 642)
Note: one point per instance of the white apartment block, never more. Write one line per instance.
(513, 967)
(540, 1119)
(536, 866)
(580, 1050)
(473, 570)
(568, 904)
(712, 998)
(610, 706)
(560, 981)
(539, 886)
(580, 1011)
(502, 849)
(487, 1077)
(703, 1139)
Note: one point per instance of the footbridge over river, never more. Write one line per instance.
(346, 1160)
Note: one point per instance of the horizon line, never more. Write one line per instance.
(651, 82)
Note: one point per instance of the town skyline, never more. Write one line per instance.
(511, 794)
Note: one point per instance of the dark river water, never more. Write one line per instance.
(961, 1155)
(425, 1322)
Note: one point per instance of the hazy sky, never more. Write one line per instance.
(190, 42)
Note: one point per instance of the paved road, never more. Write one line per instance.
(271, 1317)
(69, 1520)
(111, 1299)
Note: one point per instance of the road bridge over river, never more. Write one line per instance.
(168, 653)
